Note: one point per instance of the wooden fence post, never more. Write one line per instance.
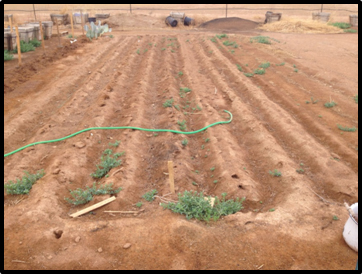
(42, 36)
(18, 43)
(171, 176)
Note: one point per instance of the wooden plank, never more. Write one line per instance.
(11, 24)
(57, 23)
(95, 206)
(171, 176)
(18, 44)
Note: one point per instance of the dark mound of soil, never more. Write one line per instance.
(232, 23)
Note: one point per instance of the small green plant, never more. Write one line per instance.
(198, 107)
(202, 147)
(220, 36)
(249, 74)
(215, 182)
(138, 51)
(229, 43)
(145, 50)
(70, 36)
(150, 196)
(111, 36)
(8, 56)
(294, 66)
(139, 204)
(182, 124)
(177, 107)
(300, 171)
(185, 89)
(356, 98)
(314, 101)
(172, 50)
(168, 103)
(335, 218)
(108, 161)
(350, 30)
(180, 73)
(239, 67)
(260, 39)
(207, 140)
(35, 42)
(296, 70)
(81, 196)
(281, 64)
(197, 172)
(340, 25)
(194, 205)
(116, 144)
(264, 65)
(212, 169)
(353, 129)
(155, 134)
(184, 142)
(163, 49)
(213, 40)
(24, 185)
(260, 71)
(24, 47)
(194, 183)
(275, 173)
(272, 209)
(330, 104)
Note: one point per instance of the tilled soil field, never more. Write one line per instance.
(286, 223)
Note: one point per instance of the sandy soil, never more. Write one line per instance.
(107, 83)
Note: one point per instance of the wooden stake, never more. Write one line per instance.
(18, 44)
(58, 33)
(81, 21)
(42, 36)
(95, 206)
(171, 176)
(71, 22)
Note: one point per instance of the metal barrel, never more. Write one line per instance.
(171, 21)
(189, 21)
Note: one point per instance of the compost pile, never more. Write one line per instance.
(232, 23)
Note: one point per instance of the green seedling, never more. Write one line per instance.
(150, 196)
(180, 73)
(184, 142)
(168, 103)
(24, 185)
(259, 71)
(341, 25)
(177, 107)
(116, 144)
(194, 183)
(81, 196)
(353, 129)
(213, 40)
(330, 104)
(296, 70)
(239, 67)
(275, 173)
(212, 169)
(194, 205)
(108, 161)
(163, 49)
(350, 30)
(356, 98)
(300, 171)
(182, 124)
(229, 43)
(35, 42)
(215, 182)
(264, 65)
(207, 140)
(272, 209)
(138, 51)
(249, 74)
(220, 36)
(139, 204)
(335, 218)
(281, 64)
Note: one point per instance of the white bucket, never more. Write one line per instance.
(350, 231)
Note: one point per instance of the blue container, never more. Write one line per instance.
(171, 21)
(189, 21)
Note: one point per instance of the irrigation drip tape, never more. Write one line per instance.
(125, 127)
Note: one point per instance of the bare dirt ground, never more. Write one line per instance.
(107, 83)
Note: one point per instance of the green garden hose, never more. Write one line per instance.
(125, 127)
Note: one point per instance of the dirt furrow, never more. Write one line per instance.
(283, 91)
(298, 146)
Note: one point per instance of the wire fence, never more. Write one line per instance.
(211, 10)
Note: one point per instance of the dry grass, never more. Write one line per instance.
(300, 26)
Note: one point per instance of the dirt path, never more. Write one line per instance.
(124, 81)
